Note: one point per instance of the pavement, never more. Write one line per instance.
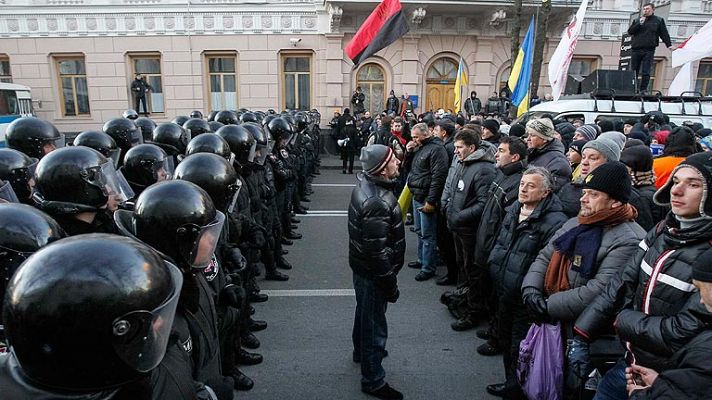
(307, 345)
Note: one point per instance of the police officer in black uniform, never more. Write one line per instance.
(18, 169)
(33, 136)
(145, 165)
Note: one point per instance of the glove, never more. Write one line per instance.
(234, 258)
(232, 296)
(536, 304)
(428, 208)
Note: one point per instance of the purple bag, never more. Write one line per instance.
(540, 368)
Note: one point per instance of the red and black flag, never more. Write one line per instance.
(384, 26)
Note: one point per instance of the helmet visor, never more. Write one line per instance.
(164, 170)
(136, 137)
(235, 190)
(112, 182)
(206, 240)
(57, 142)
(7, 194)
(262, 151)
(251, 155)
(114, 155)
(140, 338)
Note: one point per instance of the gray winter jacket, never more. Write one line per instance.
(618, 244)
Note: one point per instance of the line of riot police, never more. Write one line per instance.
(129, 259)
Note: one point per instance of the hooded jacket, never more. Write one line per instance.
(653, 302)
(618, 244)
(552, 157)
(501, 194)
(376, 233)
(471, 179)
(428, 171)
(518, 244)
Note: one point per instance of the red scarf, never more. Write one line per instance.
(399, 136)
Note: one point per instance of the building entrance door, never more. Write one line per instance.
(440, 85)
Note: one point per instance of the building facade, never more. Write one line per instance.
(80, 56)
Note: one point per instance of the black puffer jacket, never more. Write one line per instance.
(518, 244)
(471, 178)
(657, 213)
(376, 233)
(429, 171)
(501, 194)
(689, 378)
(570, 196)
(657, 316)
(552, 157)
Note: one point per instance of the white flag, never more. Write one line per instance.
(696, 47)
(560, 60)
(683, 81)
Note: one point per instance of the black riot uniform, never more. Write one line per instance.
(284, 174)
(102, 352)
(179, 219)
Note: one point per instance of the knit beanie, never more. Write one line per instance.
(611, 178)
(706, 143)
(704, 132)
(589, 132)
(607, 147)
(702, 267)
(702, 162)
(638, 158)
(606, 125)
(639, 135)
(491, 124)
(565, 129)
(375, 157)
(577, 146)
(517, 130)
(542, 127)
(615, 136)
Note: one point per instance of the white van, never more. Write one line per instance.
(591, 108)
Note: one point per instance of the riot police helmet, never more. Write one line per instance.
(210, 143)
(18, 170)
(280, 129)
(211, 116)
(171, 137)
(227, 117)
(130, 114)
(302, 120)
(78, 179)
(215, 125)
(145, 165)
(196, 126)
(100, 142)
(241, 142)
(124, 132)
(91, 312)
(180, 119)
(147, 126)
(196, 114)
(264, 146)
(33, 136)
(177, 218)
(7, 193)
(248, 117)
(215, 175)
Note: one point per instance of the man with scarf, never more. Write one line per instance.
(653, 304)
(587, 251)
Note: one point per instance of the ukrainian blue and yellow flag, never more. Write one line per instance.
(521, 75)
(460, 86)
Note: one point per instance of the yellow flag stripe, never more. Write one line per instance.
(516, 70)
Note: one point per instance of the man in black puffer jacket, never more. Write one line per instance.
(473, 174)
(426, 181)
(655, 307)
(526, 229)
(376, 249)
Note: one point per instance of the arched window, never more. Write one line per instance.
(372, 80)
(440, 84)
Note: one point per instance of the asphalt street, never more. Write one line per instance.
(307, 345)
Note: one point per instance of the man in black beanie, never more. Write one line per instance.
(653, 302)
(376, 249)
(586, 252)
(490, 131)
(639, 160)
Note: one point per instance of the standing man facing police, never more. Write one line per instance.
(647, 31)
(376, 249)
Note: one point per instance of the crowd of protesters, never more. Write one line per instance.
(563, 224)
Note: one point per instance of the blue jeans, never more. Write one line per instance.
(370, 332)
(612, 385)
(426, 226)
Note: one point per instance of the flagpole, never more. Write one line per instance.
(531, 70)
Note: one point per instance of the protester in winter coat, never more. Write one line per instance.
(679, 144)
(546, 151)
(639, 161)
(527, 227)
(652, 303)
